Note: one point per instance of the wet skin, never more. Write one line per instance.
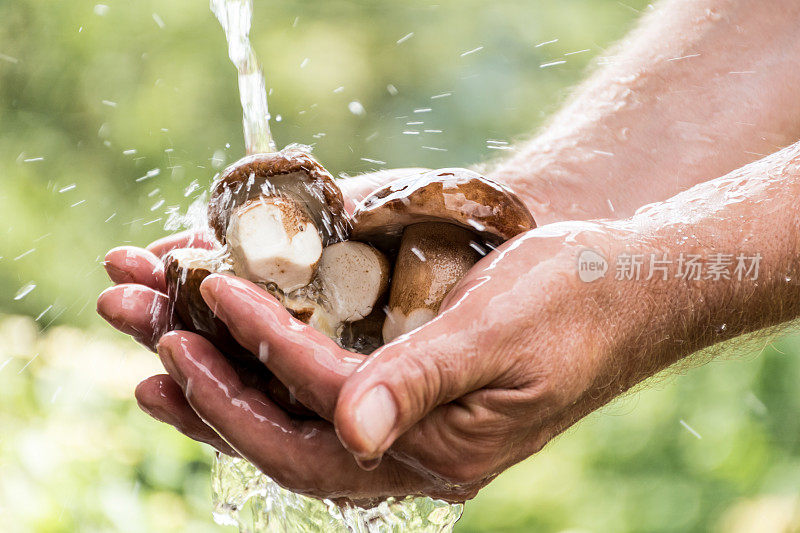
(522, 348)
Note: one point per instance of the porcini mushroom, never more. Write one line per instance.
(352, 275)
(184, 271)
(276, 212)
(438, 221)
(351, 279)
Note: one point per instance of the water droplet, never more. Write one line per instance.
(475, 224)
(469, 52)
(23, 254)
(150, 174)
(158, 20)
(24, 291)
(218, 159)
(101, 10)
(356, 108)
(405, 37)
(416, 251)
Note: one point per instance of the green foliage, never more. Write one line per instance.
(81, 86)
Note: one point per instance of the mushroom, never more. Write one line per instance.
(184, 270)
(438, 221)
(276, 212)
(352, 276)
(351, 279)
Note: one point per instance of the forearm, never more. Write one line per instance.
(700, 88)
(744, 230)
(587, 334)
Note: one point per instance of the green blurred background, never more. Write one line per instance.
(114, 115)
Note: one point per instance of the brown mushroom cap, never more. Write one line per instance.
(454, 195)
(185, 269)
(293, 173)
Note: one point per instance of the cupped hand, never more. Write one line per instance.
(138, 306)
(505, 367)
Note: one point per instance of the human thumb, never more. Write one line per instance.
(396, 388)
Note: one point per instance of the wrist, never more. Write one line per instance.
(563, 180)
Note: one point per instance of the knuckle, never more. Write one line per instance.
(419, 385)
(465, 472)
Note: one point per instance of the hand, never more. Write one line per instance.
(503, 368)
(138, 306)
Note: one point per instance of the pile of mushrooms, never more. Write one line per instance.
(281, 223)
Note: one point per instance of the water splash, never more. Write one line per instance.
(235, 16)
(244, 497)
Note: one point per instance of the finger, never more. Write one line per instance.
(128, 264)
(160, 397)
(403, 382)
(139, 311)
(304, 456)
(184, 239)
(311, 365)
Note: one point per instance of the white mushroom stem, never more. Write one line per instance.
(273, 240)
(351, 278)
(433, 257)
(353, 275)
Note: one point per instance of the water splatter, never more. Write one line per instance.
(690, 429)
(405, 37)
(469, 52)
(416, 251)
(23, 254)
(150, 174)
(356, 108)
(24, 291)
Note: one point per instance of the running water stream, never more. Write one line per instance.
(243, 496)
(236, 17)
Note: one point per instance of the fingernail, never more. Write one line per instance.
(368, 464)
(116, 274)
(207, 290)
(375, 416)
(168, 360)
